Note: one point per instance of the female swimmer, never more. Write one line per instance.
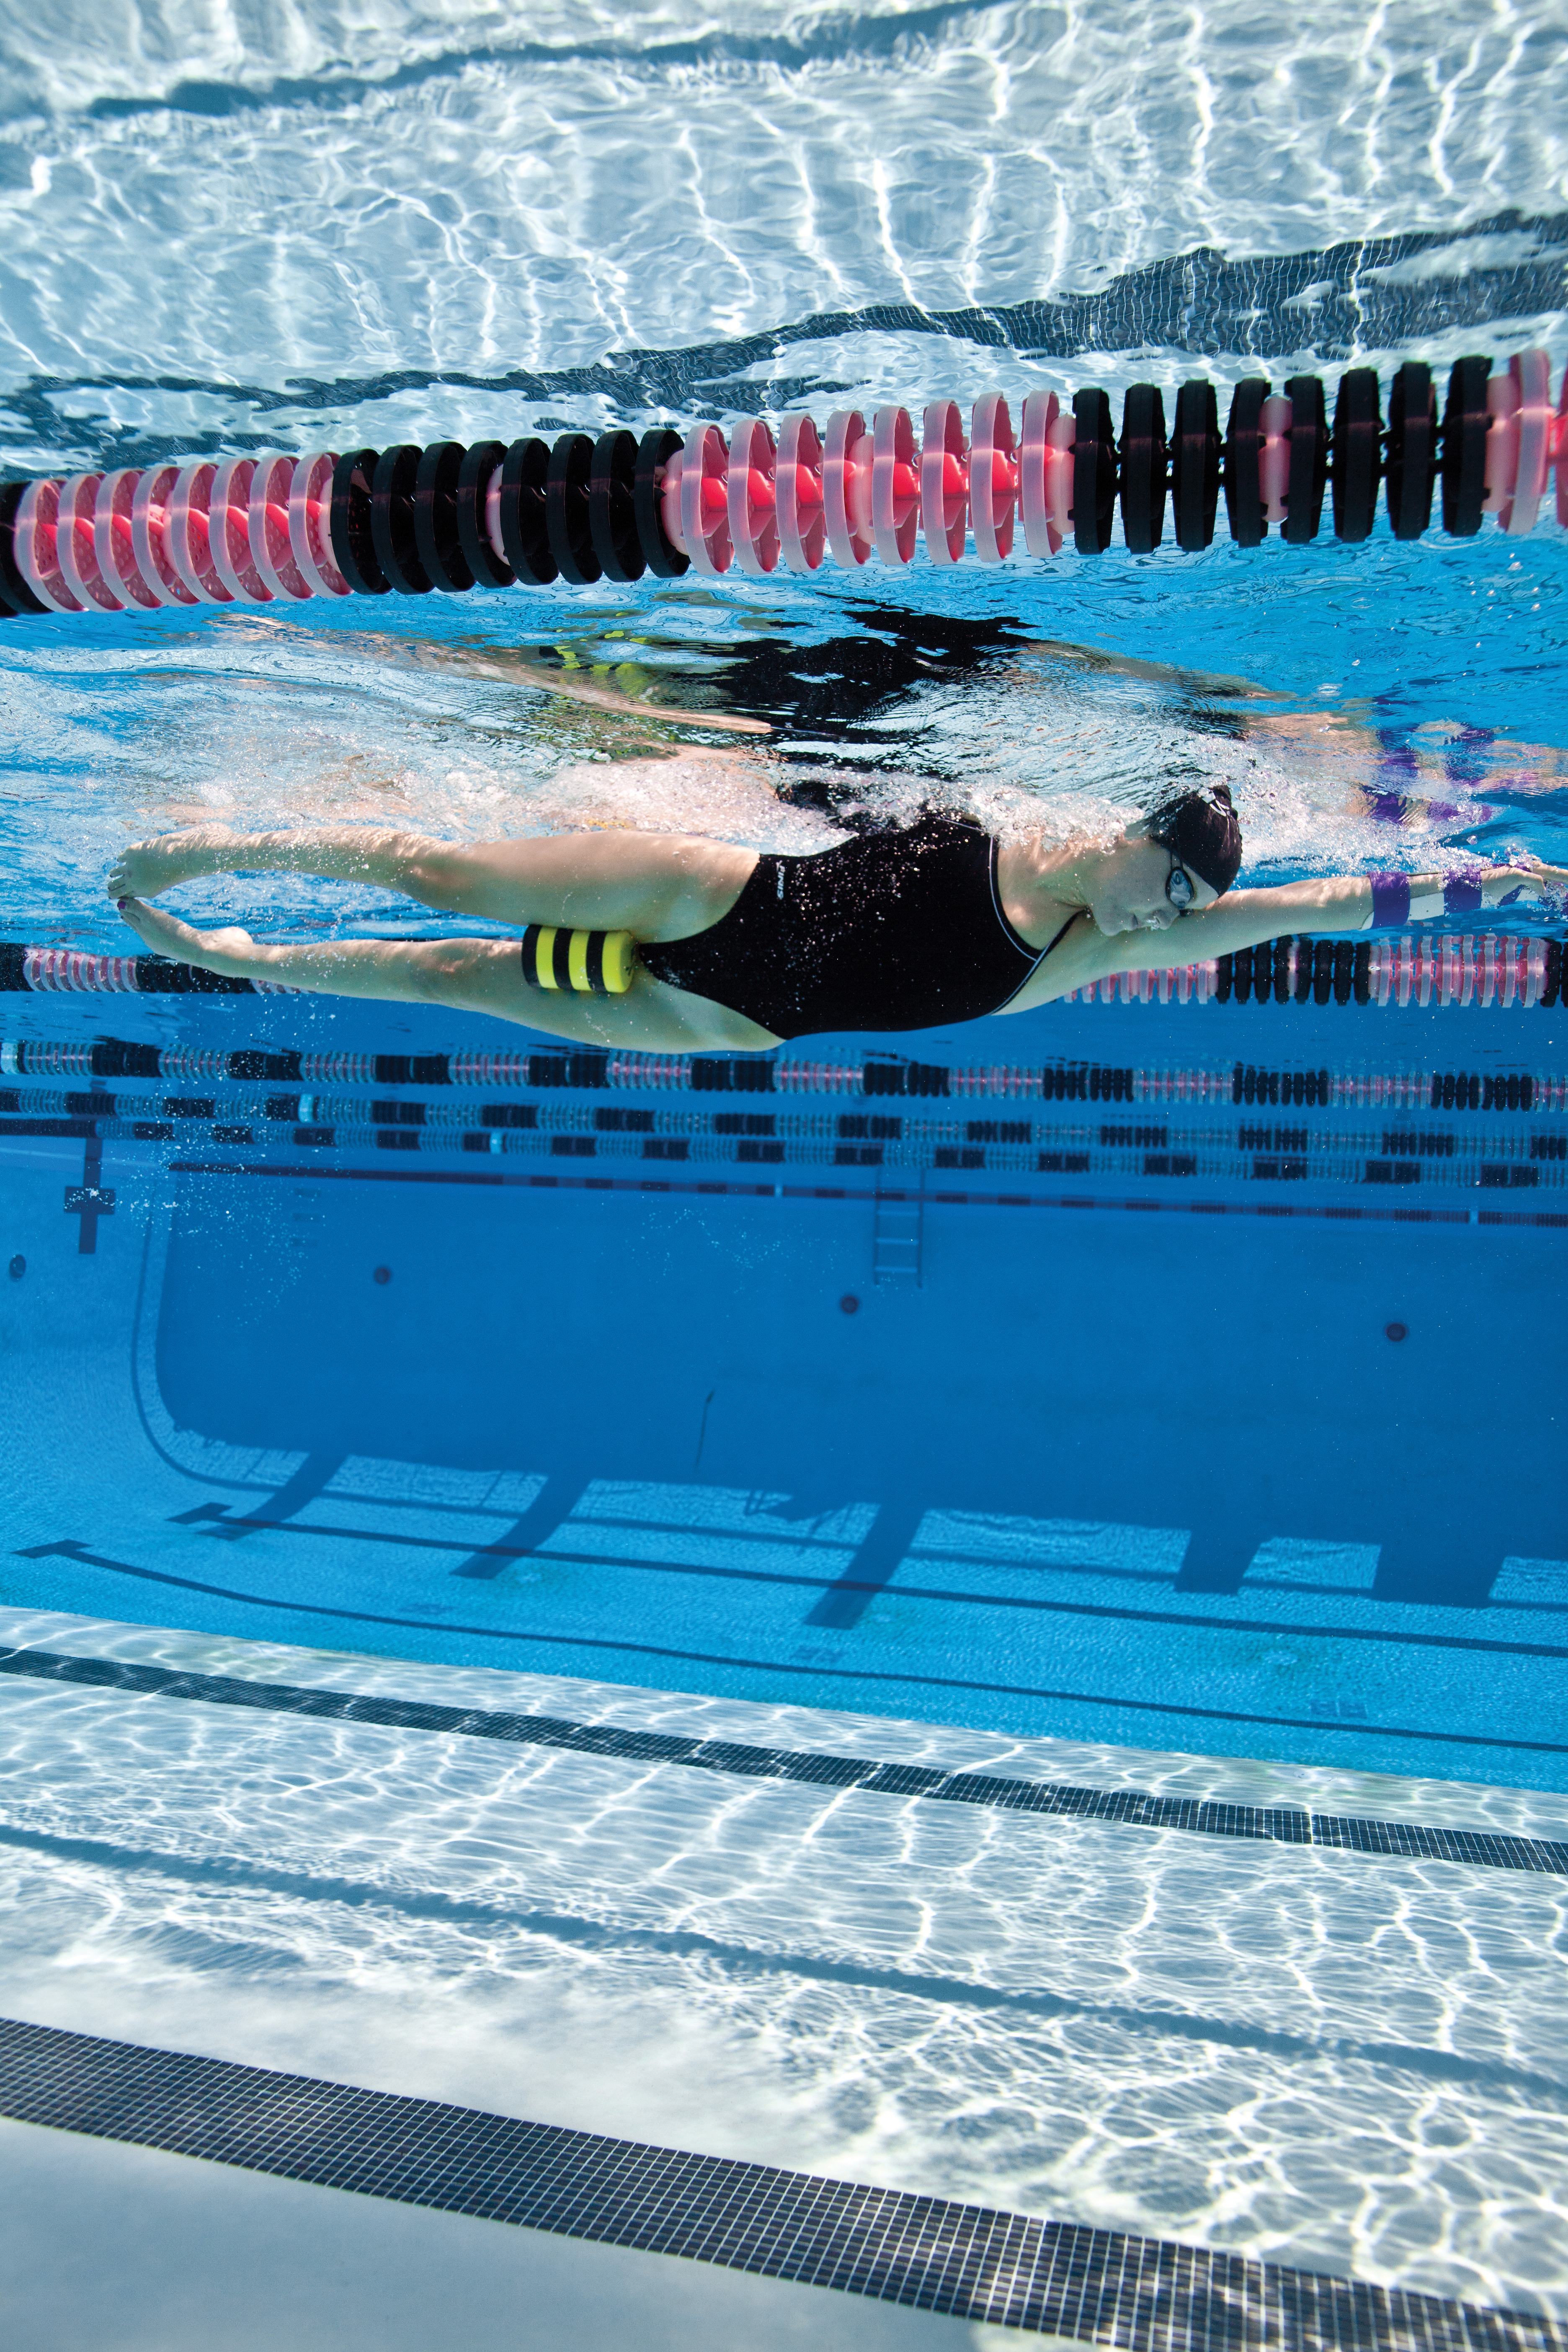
(906, 929)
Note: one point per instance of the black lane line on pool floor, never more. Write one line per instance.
(622, 1645)
(1283, 1824)
(934, 2253)
(944, 1199)
(224, 1518)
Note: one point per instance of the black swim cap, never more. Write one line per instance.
(1203, 831)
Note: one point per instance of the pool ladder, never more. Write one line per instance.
(896, 1236)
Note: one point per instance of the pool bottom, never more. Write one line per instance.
(1005, 2271)
(1342, 2062)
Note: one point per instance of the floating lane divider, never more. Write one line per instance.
(886, 1078)
(1488, 969)
(276, 529)
(1244, 1124)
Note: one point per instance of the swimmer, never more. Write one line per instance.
(936, 922)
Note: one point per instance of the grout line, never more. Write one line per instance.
(934, 2253)
(1205, 1817)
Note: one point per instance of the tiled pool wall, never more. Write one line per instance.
(1204, 1459)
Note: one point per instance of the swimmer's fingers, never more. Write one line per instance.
(166, 935)
(1541, 882)
(142, 868)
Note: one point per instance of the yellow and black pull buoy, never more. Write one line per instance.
(584, 963)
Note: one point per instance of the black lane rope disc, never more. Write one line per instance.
(1196, 451)
(1094, 471)
(1243, 451)
(1309, 459)
(655, 451)
(1143, 462)
(353, 543)
(566, 481)
(1412, 463)
(1466, 423)
(1357, 454)
(483, 461)
(436, 539)
(612, 507)
(523, 531)
(391, 519)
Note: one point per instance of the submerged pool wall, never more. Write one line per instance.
(1128, 1456)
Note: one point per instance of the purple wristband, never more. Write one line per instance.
(1390, 902)
(1462, 894)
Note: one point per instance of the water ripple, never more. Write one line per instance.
(742, 1960)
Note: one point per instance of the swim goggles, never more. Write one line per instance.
(1180, 888)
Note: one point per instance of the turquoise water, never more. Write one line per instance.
(1129, 1395)
(332, 231)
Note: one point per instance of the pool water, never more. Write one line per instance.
(1192, 1429)
(1110, 1443)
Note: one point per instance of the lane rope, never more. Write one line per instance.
(277, 529)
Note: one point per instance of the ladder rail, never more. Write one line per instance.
(898, 1241)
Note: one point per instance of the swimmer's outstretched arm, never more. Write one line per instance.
(1335, 905)
(463, 975)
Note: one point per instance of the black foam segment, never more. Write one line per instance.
(1412, 450)
(1093, 471)
(654, 452)
(566, 481)
(1309, 459)
(1144, 461)
(1466, 424)
(353, 543)
(612, 507)
(1243, 448)
(523, 528)
(392, 519)
(474, 475)
(436, 539)
(1357, 453)
(1196, 451)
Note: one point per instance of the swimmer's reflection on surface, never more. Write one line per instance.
(930, 923)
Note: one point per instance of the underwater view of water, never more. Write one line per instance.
(1159, 1401)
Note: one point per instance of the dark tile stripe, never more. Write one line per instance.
(1059, 2278)
(1284, 1824)
(321, 1173)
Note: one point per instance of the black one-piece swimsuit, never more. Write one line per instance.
(890, 930)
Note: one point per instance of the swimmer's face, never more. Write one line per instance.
(1137, 884)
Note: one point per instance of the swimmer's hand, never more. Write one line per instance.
(1541, 882)
(145, 868)
(230, 951)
